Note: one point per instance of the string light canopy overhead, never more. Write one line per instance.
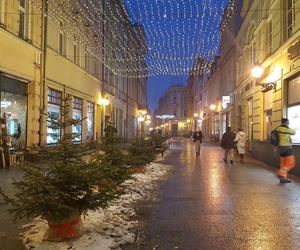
(141, 38)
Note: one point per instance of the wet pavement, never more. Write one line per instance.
(206, 204)
(9, 229)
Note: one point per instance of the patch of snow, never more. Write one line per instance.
(107, 228)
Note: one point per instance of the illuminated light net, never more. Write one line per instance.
(141, 38)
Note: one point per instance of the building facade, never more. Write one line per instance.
(51, 50)
(267, 33)
(172, 112)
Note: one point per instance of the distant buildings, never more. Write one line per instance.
(172, 112)
(45, 57)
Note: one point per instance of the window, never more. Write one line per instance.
(268, 105)
(23, 15)
(61, 39)
(77, 115)
(254, 53)
(2, 11)
(291, 15)
(250, 118)
(54, 115)
(90, 120)
(270, 37)
(293, 111)
(75, 51)
(174, 99)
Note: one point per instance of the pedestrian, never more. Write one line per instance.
(287, 158)
(240, 139)
(227, 143)
(198, 138)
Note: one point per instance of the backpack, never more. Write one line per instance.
(274, 139)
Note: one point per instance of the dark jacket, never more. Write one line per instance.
(228, 140)
(197, 136)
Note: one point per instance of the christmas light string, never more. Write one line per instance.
(187, 29)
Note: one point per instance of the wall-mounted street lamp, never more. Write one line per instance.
(212, 107)
(257, 72)
(104, 102)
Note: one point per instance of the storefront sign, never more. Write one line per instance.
(163, 117)
(294, 51)
(226, 100)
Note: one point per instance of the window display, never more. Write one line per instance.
(90, 120)
(54, 102)
(14, 110)
(294, 118)
(294, 107)
(77, 114)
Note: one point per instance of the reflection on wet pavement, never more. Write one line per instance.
(206, 204)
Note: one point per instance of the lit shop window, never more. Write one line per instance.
(90, 120)
(293, 111)
(54, 115)
(77, 115)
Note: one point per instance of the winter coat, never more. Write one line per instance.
(285, 134)
(197, 136)
(241, 142)
(227, 140)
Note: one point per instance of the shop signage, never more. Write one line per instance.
(163, 117)
(294, 51)
(226, 100)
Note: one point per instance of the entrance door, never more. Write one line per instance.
(174, 130)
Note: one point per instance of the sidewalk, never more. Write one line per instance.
(207, 204)
(9, 230)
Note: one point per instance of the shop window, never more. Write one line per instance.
(77, 115)
(54, 115)
(14, 110)
(293, 111)
(90, 120)
(250, 118)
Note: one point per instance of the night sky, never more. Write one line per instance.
(176, 32)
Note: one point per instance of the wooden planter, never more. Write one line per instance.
(65, 229)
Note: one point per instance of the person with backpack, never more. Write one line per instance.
(281, 137)
(198, 138)
(240, 139)
(227, 143)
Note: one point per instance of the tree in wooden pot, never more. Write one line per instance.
(63, 188)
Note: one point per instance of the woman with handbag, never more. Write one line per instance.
(240, 139)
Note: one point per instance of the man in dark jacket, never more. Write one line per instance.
(227, 143)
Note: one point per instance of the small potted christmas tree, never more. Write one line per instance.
(63, 189)
(140, 153)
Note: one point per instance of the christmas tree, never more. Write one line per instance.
(141, 152)
(65, 187)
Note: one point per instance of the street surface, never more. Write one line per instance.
(206, 204)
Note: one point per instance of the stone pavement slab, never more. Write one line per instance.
(206, 204)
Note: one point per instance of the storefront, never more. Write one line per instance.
(293, 106)
(13, 109)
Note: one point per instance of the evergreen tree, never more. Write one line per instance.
(66, 184)
(141, 152)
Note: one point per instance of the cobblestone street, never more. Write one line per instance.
(206, 204)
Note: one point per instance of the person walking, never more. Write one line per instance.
(198, 138)
(240, 139)
(227, 143)
(287, 158)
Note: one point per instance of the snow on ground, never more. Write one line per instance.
(106, 228)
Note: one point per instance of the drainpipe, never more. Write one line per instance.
(43, 73)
